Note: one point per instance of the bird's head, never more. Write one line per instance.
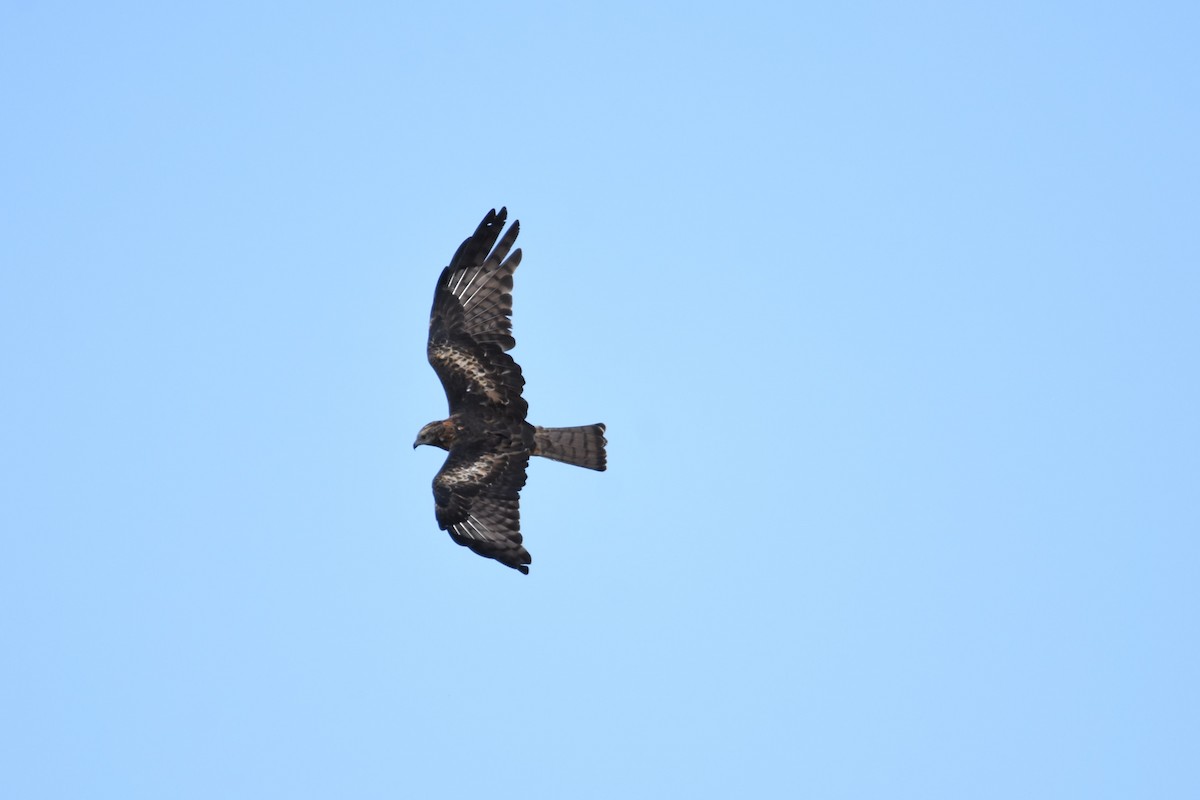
(435, 434)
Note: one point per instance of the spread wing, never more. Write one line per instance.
(470, 326)
(477, 495)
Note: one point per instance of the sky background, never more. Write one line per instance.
(892, 311)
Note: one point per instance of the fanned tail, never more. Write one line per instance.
(582, 446)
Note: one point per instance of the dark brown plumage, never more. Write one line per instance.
(477, 491)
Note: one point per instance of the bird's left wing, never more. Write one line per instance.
(470, 325)
(478, 283)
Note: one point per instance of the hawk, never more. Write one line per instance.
(477, 491)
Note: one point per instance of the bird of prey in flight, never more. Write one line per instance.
(477, 491)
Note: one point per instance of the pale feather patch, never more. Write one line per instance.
(474, 528)
(470, 472)
(460, 285)
(479, 377)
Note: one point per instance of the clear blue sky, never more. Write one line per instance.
(892, 310)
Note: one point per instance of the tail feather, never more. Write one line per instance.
(582, 446)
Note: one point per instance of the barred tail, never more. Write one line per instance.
(582, 446)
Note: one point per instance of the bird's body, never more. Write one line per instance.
(477, 491)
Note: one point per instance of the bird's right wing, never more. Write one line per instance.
(477, 499)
